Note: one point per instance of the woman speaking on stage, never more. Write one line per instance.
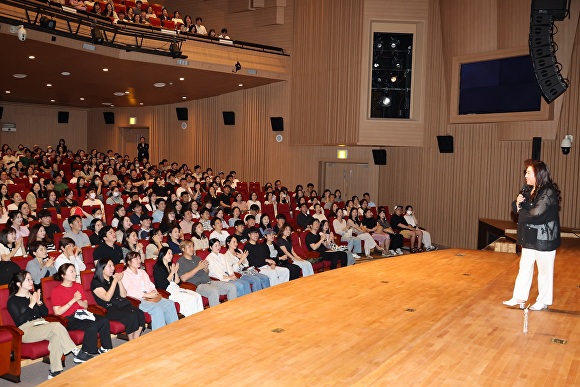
(537, 207)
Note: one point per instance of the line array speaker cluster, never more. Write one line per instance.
(543, 48)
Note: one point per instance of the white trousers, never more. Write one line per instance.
(277, 275)
(426, 239)
(189, 301)
(369, 242)
(305, 266)
(545, 262)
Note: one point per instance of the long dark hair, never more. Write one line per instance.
(543, 177)
(162, 253)
(18, 277)
(100, 267)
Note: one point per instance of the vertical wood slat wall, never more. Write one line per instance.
(451, 191)
(325, 71)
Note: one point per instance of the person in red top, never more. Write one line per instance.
(69, 300)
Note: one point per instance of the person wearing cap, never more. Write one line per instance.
(259, 257)
(145, 226)
(45, 218)
(399, 223)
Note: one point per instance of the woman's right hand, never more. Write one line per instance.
(18, 243)
(520, 199)
(77, 296)
(33, 299)
(118, 277)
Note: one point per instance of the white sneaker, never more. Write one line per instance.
(392, 253)
(355, 255)
(399, 252)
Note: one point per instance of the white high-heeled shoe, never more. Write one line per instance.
(514, 302)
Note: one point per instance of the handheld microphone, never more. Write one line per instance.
(525, 191)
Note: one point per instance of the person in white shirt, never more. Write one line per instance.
(222, 270)
(93, 201)
(410, 218)
(224, 34)
(218, 232)
(70, 254)
(199, 27)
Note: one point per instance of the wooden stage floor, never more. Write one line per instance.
(424, 319)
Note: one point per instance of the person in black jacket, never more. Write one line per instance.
(537, 207)
(27, 311)
(142, 150)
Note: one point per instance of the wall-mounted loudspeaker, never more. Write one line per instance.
(537, 148)
(445, 144)
(557, 9)
(277, 124)
(380, 156)
(109, 118)
(229, 118)
(182, 114)
(543, 49)
(63, 117)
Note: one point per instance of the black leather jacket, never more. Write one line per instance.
(539, 221)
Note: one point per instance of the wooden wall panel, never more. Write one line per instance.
(325, 65)
(451, 191)
(38, 124)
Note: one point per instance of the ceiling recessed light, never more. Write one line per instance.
(184, 97)
(65, 73)
(49, 85)
(31, 57)
(106, 103)
(52, 100)
(105, 69)
(140, 103)
(112, 105)
(119, 93)
(7, 91)
(19, 76)
(159, 84)
(126, 92)
(81, 98)
(182, 79)
(241, 84)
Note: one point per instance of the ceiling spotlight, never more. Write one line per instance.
(386, 101)
(394, 78)
(31, 57)
(119, 93)
(240, 84)
(140, 103)
(52, 100)
(65, 73)
(81, 98)
(394, 42)
(182, 79)
(397, 63)
(159, 84)
(7, 91)
(105, 69)
(375, 65)
(49, 85)
(184, 97)
(19, 76)
(237, 67)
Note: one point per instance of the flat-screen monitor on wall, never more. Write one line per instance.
(504, 85)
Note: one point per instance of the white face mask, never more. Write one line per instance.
(92, 195)
(116, 194)
(98, 216)
(409, 212)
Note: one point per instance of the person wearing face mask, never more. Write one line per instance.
(410, 218)
(92, 201)
(115, 197)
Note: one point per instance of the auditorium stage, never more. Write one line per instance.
(423, 319)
